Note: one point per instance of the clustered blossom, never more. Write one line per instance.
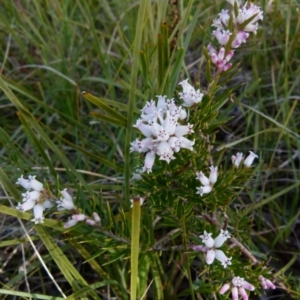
(266, 283)
(36, 198)
(236, 159)
(82, 217)
(207, 182)
(238, 287)
(211, 248)
(160, 124)
(244, 22)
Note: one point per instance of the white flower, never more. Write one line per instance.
(27, 205)
(35, 184)
(207, 182)
(213, 176)
(66, 195)
(222, 36)
(149, 161)
(266, 283)
(38, 214)
(203, 179)
(236, 159)
(238, 287)
(206, 189)
(33, 195)
(189, 95)
(23, 182)
(212, 244)
(249, 159)
(66, 202)
(159, 123)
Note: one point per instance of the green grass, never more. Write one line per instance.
(52, 51)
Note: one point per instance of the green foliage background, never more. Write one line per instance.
(52, 51)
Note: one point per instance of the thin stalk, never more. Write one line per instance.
(135, 244)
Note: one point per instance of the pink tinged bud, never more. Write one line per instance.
(210, 256)
(214, 58)
(224, 288)
(38, 214)
(23, 182)
(213, 176)
(70, 223)
(229, 55)
(221, 54)
(203, 179)
(243, 293)
(204, 190)
(266, 283)
(207, 239)
(211, 49)
(249, 159)
(90, 222)
(27, 205)
(226, 67)
(33, 195)
(248, 286)
(96, 217)
(221, 238)
(35, 184)
(79, 217)
(270, 284)
(66, 195)
(235, 293)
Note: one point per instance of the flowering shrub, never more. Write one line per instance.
(180, 130)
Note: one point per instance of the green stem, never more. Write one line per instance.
(135, 244)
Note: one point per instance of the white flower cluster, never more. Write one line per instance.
(211, 246)
(246, 21)
(159, 123)
(236, 159)
(207, 182)
(36, 198)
